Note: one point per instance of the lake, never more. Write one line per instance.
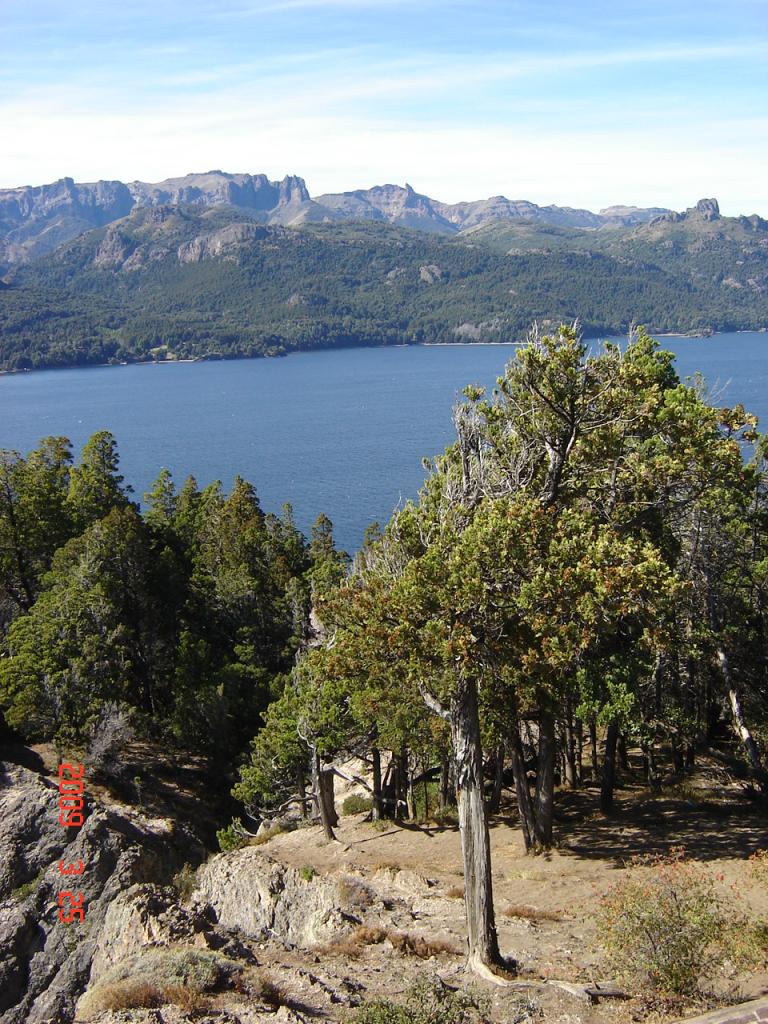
(341, 432)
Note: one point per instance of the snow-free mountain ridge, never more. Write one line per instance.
(35, 220)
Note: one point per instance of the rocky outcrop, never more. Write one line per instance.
(224, 243)
(36, 220)
(257, 896)
(45, 964)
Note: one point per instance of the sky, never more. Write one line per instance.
(584, 103)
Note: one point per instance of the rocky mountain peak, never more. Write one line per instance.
(708, 209)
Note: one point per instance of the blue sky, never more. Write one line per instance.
(581, 103)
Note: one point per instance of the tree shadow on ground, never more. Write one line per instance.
(643, 824)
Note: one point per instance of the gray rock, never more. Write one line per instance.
(45, 964)
(251, 893)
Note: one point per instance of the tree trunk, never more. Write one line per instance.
(569, 735)
(376, 808)
(621, 752)
(498, 780)
(301, 788)
(579, 751)
(545, 780)
(651, 771)
(473, 827)
(740, 726)
(609, 769)
(401, 783)
(593, 744)
(411, 797)
(447, 792)
(327, 791)
(320, 797)
(523, 793)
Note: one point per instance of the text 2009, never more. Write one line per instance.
(71, 789)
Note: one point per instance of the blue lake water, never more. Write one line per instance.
(338, 432)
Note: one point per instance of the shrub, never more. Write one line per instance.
(356, 804)
(307, 872)
(159, 975)
(447, 816)
(259, 986)
(532, 913)
(354, 894)
(758, 866)
(187, 997)
(129, 994)
(276, 828)
(230, 839)
(185, 881)
(405, 943)
(456, 892)
(666, 925)
(429, 1001)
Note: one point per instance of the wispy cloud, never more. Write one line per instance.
(462, 99)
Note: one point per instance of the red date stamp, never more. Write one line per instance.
(71, 802)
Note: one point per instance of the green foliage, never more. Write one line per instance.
(356, 804)
(667, 925)
(230, 838)
(307, 872)
(324, 286)
(190, 614)
(185, 881)
(429, 1001)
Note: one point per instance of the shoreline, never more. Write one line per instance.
(294, 352)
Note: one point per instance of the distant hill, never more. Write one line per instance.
(198, 281)
(34, 220)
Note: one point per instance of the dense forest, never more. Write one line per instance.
(586, 567)
(181, 282)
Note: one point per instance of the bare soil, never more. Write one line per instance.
(545, 904)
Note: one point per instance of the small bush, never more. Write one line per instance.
(403, 942)
(356, 804)
(28, 888)
(429, 1001)
(531, 913)
(271, 831)
(230, 839)
(666, 925)
(354, 894)
(185, 882)
(187, 997)
(447, 816)
(353, 945)
(130, 994)
(260, 987)
(456, 892)
(420, 946)
(307, 872)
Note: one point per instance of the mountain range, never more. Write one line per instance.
(220, 266)
(36, 220)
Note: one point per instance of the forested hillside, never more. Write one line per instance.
(585, 570)
(185, 282)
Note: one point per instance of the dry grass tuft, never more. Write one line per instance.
(531, 913)
(354, 894)
(403, 942)
(353, 945)
(418, 945)
(266, 835)
(385, 865)
(456, 892)
(186, 997)
(130, 994)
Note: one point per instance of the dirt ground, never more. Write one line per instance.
(551, 931)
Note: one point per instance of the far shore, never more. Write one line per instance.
(420, 344)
